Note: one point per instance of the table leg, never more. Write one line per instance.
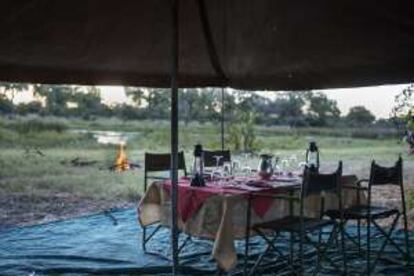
(291, 242)
(247, 238)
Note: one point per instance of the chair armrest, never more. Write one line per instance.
(283, 197)
(359, 188)
(362, 181)
(157, 178)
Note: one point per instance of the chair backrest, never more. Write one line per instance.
(381, 176)
(386, 175)
(157, 162)
(210, 160)
(161, 162)
(316, 183)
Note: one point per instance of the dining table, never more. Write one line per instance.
(221, 210)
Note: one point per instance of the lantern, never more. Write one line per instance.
(312, 157)
(198, 167)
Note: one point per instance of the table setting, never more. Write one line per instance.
(213, 202)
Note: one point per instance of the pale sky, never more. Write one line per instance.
(378, 99)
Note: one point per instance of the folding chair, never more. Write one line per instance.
(154, 164)
(302, 226)
(210, 160)
(379, 176)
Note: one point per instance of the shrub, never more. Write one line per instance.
(36, 125)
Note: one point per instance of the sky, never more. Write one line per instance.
(378, 99)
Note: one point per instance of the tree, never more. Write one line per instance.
(253, 102)
(57, 97)
(288, 108)
(6, 105)
(158, 103)
(241, 131)
(359, 116)
(10, 89)
(321, 110)
(187, 104)
(137, 95)
(88, 102)
(404, 107)
(33, 107)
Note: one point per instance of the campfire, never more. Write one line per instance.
(121, 162)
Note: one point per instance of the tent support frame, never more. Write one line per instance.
(174, 134)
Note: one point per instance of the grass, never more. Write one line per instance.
(23, 170)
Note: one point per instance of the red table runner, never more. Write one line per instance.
(190, 199)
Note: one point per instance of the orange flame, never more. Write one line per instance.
(121, 163)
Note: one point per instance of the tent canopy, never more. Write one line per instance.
(260, 44)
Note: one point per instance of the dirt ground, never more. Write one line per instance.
(22, 209)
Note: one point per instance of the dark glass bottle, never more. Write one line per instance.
(198, 167)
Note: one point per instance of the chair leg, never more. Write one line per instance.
(301, 255)
(247, 234)
(387, 238)
(280, 254)
(246, 253)
(368, 253)
(318, 250)
(188, 238)
(259, 260)
(407, 243)
(144, 239)
(343, 247)
(323, 250)
(359, 236)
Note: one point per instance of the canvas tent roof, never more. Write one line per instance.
(260, 44)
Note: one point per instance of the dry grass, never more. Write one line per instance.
(36, 187)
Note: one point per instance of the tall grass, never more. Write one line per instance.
(23, 172)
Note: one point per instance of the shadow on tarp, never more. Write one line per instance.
(97, 244)
(110, 243)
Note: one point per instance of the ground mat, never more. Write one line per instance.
(110, 243)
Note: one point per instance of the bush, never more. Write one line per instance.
(36, 125)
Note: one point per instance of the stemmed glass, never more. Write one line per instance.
(235, 166)
(216, 171)
(227, 169)
(293, 160)
(276, 167)
(246, 169)
(284, 163)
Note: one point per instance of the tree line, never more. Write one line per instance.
(295, 109)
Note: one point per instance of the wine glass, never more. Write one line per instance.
(284, 163)
(276, 167)
(293, 160)
(236, 166)
(227, 168)
(246, 169)
(216, 172)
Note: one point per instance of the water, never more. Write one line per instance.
(108, 137)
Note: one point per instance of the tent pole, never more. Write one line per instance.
(174, 136)
(222, 118)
